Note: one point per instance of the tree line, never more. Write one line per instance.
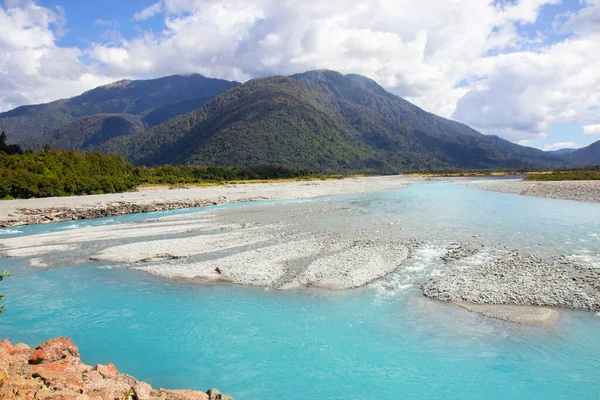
(64, 173)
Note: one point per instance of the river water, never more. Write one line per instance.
(380, 341)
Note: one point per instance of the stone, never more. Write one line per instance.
(53, 371)
(142, 391)
(54, 350)
(108, 371)
(214, 394)
(181, 395)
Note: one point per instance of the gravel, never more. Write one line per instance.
(565, 190)
(520, 279)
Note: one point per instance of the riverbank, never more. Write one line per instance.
(54, 370)
(588, 191)
(56, 209)
(519, 288)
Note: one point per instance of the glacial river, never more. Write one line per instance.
(382, 341)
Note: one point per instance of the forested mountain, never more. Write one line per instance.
(153, 101)
(89, 132)
(589, 155)
(323, 120)
(318, 119)
(561, 151)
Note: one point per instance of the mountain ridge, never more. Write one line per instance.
(146, 98)
(371, 128)
(318, 119)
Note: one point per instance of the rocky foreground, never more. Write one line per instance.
(54, 371)
(588, 191)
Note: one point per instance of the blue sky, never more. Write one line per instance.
(520, 69)
(89, 21)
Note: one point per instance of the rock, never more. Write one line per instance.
(214, 394)
(142, 391)
(181, 395)
(108, 371)
(54, 350)
(53, 371)
(58, 378)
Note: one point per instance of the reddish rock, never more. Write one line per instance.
(53, 371)
(57, 377)
(91, 376)
(53, 350)
(108, 371)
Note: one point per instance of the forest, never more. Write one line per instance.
(64, 173)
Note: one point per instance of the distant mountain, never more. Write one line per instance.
(323, 120)
(589, 155)
(561, 151)
(153, 101)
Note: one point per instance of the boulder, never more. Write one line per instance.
(108, 371)
(60, 348)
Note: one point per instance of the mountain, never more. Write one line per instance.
(86, 133)
(589, 155)
(152, 101)
(323, 120)
(561, 151)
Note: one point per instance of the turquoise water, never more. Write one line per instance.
(381, 341)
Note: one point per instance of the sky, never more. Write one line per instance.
(525, 70)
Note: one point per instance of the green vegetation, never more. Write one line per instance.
(86, 132)
(153, 100)
(64, 173)
(2, 276)
(323, 120)
(172, 175)
(319, 120)
(580, 174)
(8, 148)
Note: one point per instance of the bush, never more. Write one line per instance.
(5, 274)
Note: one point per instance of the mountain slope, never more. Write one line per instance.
(561, 151)
(589, 155)
(87, 133)
(155, 100)
(323, 120)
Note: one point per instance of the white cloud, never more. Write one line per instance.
(149, 12)
(462, 59)
(32, 68)
(591, 130)
(559, 145)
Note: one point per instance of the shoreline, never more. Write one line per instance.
(58, 209)
(518, 314)
(519, 288)
(586, 191)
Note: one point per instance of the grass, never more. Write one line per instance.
(148, 186)
(585, 174)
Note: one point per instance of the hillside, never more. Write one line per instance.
(323, 120)
(91, 131)
(589, 155)
(154, 101)
(561, 151)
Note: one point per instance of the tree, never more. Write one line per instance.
(9, 148)
(6, 273)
